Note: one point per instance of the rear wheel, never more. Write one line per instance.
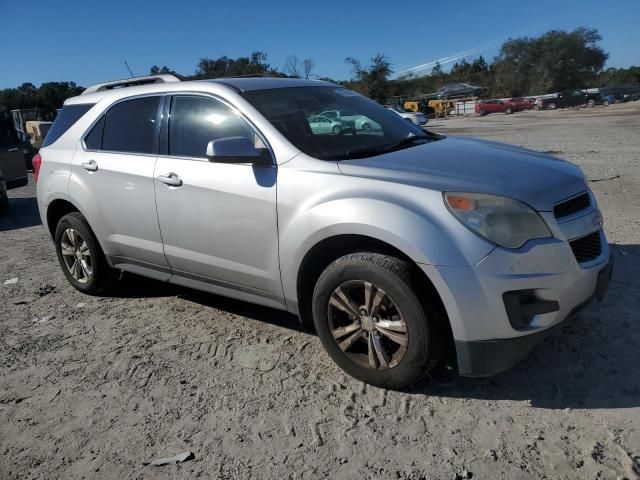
(372, 323)
(336, 130)
(508, 110)
(80, 255)
(591, 103)
(552, 106)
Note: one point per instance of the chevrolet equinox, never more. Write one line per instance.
(397, 243)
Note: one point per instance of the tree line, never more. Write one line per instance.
(554, 61)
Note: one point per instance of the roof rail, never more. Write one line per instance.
(131, 82)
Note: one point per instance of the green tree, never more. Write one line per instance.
(255, 64)
(372, 80)
(156, 70)
(555, 61)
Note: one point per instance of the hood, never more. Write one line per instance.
(471, 165)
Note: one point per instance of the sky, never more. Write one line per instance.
(88, 42)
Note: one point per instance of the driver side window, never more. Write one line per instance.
(195, 121)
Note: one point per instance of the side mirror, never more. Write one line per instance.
(235, 150)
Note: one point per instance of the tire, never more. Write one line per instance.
(591, 103)
(605, 103)
(336, 130)
(508, 110)
(482, 113)
(393, 304)
(552, 106)
(537, 107)
(92, 275)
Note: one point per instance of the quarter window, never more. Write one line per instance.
(93, 141)
(195, 121)
(130, 126)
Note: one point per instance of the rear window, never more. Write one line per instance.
(130, 126)
(68, 116)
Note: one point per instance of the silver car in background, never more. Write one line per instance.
(400, 245)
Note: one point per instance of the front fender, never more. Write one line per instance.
(430, 236)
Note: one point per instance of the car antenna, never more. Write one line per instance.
(128, 68)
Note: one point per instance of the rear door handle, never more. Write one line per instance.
(171, 179)
(90, 166)
(14, 149)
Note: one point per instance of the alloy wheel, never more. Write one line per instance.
(367, 325)
(76, 255)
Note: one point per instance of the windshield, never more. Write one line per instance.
(333, 123)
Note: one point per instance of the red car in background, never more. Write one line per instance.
(485, 107)
(522, 103)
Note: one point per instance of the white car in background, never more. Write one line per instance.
(417, 118)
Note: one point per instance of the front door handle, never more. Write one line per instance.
(90, 166)
(171, 179)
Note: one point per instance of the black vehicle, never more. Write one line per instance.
(459, 90)
(4, 199)
(568, 98)
(14, 156)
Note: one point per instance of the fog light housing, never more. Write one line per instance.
(523, 305)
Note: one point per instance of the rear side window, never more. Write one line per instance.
(68, 116)
(195, 121)
(93, 140)
(130, 126)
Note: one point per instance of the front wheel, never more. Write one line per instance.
(509, 110)
(336, 130)
(372, 323)
(80, 255)
(591, 103)
(552, 106)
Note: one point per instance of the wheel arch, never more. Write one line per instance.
(57, 209)
(329, 249)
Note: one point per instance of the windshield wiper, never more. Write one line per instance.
(405, 142)
(371, 152)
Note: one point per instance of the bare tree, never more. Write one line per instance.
(292, 65)
(307, 67)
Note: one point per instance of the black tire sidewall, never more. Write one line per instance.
(78, 223)
(413, 365)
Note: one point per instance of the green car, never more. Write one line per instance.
(321, 125)
(359, 122)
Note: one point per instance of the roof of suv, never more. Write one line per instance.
(242, 84)
(246, 84)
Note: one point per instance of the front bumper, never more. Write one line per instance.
(485, 358)
(485, 338)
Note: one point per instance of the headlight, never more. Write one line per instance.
(502, 220)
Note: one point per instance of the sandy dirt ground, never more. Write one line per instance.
(97, 387)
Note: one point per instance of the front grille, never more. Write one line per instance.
(586, 248)
(571, 206)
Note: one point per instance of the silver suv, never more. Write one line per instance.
(400, 245)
